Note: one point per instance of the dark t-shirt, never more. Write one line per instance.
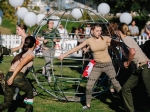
(146, 48)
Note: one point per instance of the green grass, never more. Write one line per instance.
(44, 102)
(7, 24)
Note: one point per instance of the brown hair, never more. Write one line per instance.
(29, 43)
(123, 27)
(25, 28)
(111, 29)
(94, 26)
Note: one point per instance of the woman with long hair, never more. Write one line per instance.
(141, 68)
(99, 46)
(16, 75)
(20, 31)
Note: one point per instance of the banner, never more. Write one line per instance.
(66, 45)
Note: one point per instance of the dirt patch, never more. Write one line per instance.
(4, 30)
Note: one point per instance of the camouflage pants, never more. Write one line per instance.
(96, 72)
(20, 82)
(2, 81)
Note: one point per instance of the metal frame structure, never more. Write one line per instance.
(61, 86)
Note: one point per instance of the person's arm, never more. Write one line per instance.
(17, 48)
(25, 61)
(62, 56)
(113, 47)
(137, 32)
(57, 39)
(77, 34)
(85, 50)
(41, 39)
(130, 57)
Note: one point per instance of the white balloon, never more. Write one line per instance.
(16, 3)
(125, 18)
(56, 21)
(40, 21)
(22, 12)
(77, 13)
(103, 8)
(0, 20)
(30, 19)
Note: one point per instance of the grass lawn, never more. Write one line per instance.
(44, 102)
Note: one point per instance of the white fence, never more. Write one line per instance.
(11, 41)
(141, 39)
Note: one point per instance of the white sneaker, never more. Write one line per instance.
(43, 70)
(15, 97)
(49, 79)
(35, 93)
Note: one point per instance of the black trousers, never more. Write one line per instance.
(20, 82)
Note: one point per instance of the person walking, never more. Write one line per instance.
(15, 77)
(51, 36)
(23, 32)
(99, 45)
(142, 66)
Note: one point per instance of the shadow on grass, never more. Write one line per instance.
(1, 90)
(17, 103)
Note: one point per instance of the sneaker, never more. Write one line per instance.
(49, 79)
(43, 70)
(15, 97)
(35, 93)
(85, 107)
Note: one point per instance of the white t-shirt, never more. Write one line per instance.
(63, 33)
(87, 30)
(133, 29)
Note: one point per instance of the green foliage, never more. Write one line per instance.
(46, 103)
(139, 6)
(36, 8)
(9, 11)
(86, 15)
(7, 23)
(140, 21)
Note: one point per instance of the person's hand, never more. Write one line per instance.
(118, 33)
(10, 81)
(45, 41)
(126, 64)
(61, 57)
(45, 48)
(84, 50)
(76, 32)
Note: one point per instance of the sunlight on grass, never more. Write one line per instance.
(44, 102)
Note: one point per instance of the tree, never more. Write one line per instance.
(36, 8)
(140, 6)
(9, 11)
